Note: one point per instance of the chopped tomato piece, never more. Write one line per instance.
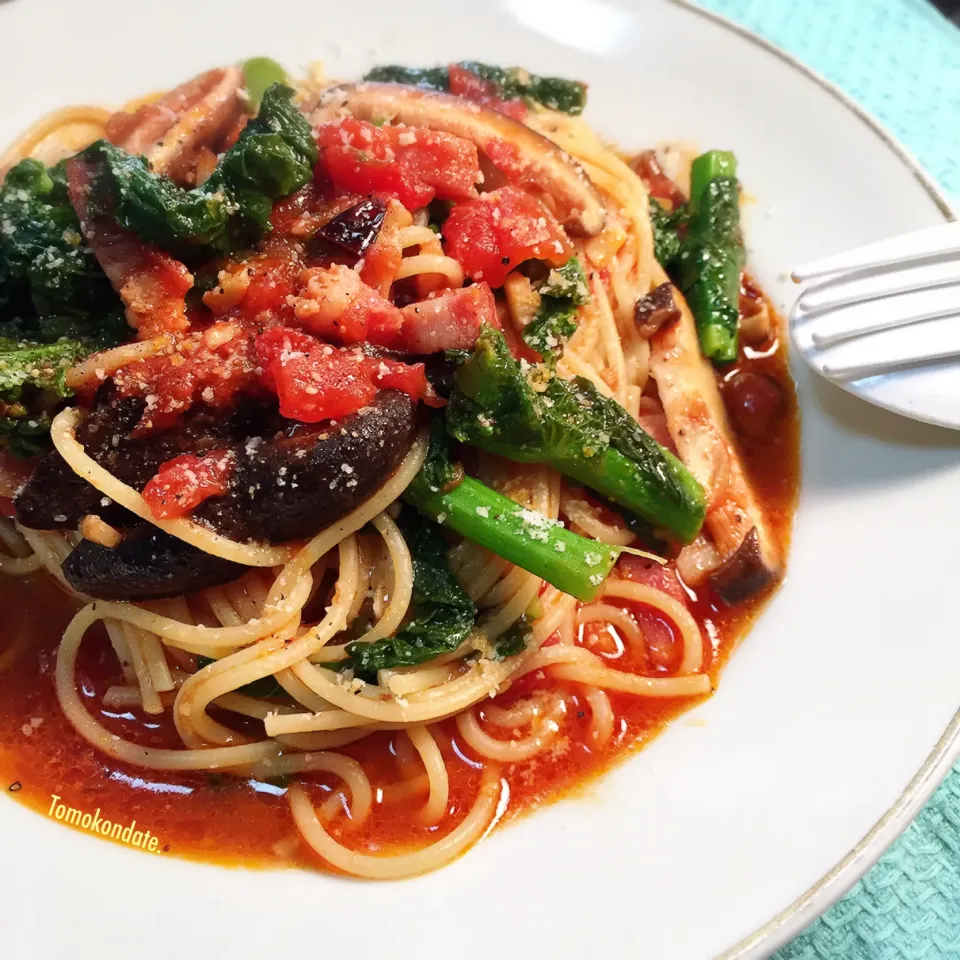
(447, 321)
(315, 381)
(410, 164)
(499, 231)
(210, 367)
(507, 158)
(663, 645)
(183, 483)
(465, 83)
(6, 507)
(273, 278)
(409, 378)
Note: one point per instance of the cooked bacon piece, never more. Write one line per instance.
(173, 131)
(406, 164)
(660, 576)
(183, 483)
(655, 309)
(698, 424)
(337, 305)
(538, 159)
(493, 235)
(662, 647)
(657, 182)
(151, 284)
(447, 321)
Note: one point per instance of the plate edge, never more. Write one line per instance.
(943, 203)
(837, 881)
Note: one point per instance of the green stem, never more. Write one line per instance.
(713, 163)
(524, 537)
(258, 74)
(619, 478)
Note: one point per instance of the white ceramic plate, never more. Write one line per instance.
(842, 692)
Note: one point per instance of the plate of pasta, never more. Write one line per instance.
(394, 441)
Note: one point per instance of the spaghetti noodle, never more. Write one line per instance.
(257, 676)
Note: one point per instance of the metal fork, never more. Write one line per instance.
(883, 321)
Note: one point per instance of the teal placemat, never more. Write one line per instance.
(901, 60)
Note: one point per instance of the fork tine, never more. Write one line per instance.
(859, 288)
(939, 242)
(877, 325)
(873, 368)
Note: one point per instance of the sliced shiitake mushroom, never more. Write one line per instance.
(657, 308)
(147, 564)
(305, 478)
(744, 573)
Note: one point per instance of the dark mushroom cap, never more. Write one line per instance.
(295, 484)
(147, 564)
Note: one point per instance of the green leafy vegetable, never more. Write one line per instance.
(575, 429)
(266, 688)
(524, 537)
(508, 83)
(555, 93)
(56, 304)
(666, 236)
(561, 293)
(36, 365)
(50, 282)
(259, 74)
(443, 614)
(514, 641)
(22, 433)
(274, 155)
(429, 78)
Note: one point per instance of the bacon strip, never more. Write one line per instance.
(175, 130)
(447, 321)
(151, 284)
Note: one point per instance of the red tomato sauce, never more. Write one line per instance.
(231, 821)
